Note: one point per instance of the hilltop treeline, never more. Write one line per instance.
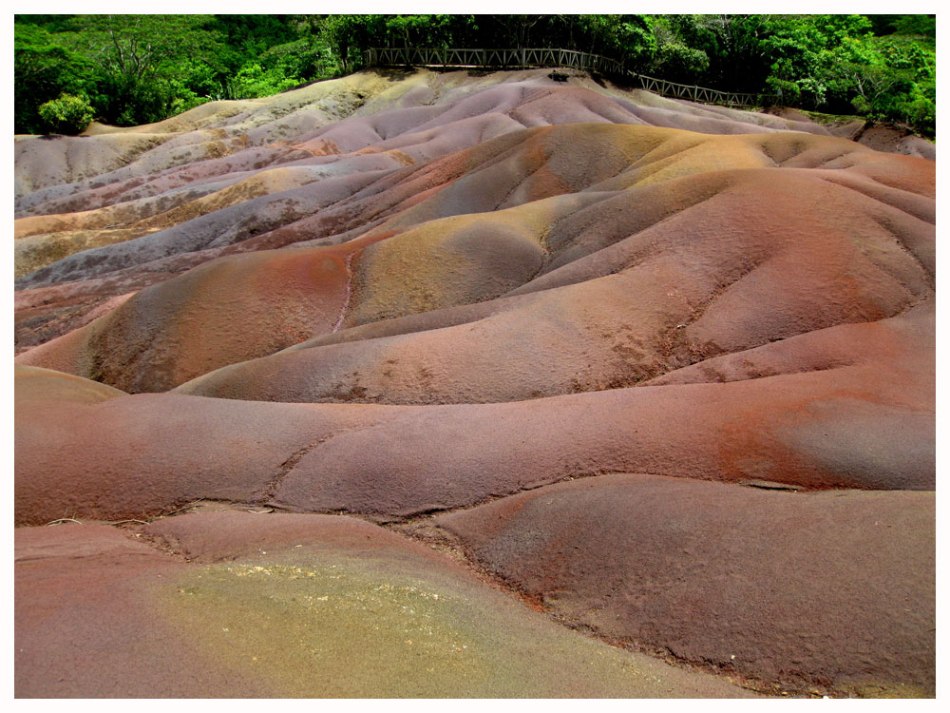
(134, 69)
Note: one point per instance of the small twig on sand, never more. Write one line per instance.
(104, 522)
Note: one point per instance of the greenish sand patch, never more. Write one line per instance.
(360, 627)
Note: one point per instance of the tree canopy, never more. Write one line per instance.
(133, 69)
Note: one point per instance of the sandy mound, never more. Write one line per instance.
(727, 575)
(230, 603)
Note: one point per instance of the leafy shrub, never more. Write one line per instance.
(681, 63)
(254, 81)
(67, 114)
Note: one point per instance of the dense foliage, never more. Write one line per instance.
(67, 114)
(134, 69)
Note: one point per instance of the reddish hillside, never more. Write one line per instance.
(662, 373)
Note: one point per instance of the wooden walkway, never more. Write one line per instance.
(527, 58)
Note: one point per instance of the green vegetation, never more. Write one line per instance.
(134, 69)
(66, 115)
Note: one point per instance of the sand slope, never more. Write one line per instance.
(476, 363)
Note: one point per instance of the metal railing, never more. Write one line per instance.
(525, 58)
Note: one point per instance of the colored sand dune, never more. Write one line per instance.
(433, 385)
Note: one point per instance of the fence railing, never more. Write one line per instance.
(525, 58)
(489, 58)
(704, 95)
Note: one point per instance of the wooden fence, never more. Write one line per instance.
(704, 95)
(490, 59)
(526, 58)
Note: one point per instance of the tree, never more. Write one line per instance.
(803, 52)
(675, 58)
(68, 114)
(347, 36)
(142, 59)
(629, 38)
(516, 29)
(44, 69)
